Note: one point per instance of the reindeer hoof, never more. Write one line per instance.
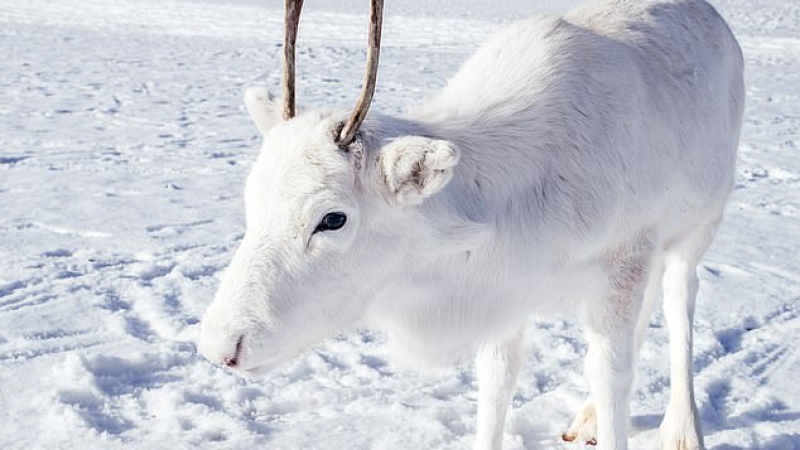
(584, 427)
(566, 437)
(680, 430)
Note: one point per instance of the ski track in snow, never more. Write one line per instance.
(122, 160)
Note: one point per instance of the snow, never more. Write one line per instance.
(123, 153)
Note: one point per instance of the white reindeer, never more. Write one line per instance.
(576, 162)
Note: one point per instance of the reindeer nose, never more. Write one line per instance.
(221, 346)
(233, 361)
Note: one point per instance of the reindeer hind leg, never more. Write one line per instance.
(680, 429)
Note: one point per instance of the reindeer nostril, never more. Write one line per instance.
(234, 361)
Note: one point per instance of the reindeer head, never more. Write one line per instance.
(330, 210)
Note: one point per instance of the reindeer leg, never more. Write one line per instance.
(498, 365)
(681, 428)
(611, 333)
(584, 425)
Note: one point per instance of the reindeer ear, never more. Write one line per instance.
(415, 167)
(263, 108)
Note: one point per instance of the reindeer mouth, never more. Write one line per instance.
(251, 366)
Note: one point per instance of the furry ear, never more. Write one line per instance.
(416, 167)
(264, 110)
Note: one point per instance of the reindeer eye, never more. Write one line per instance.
(331, 221)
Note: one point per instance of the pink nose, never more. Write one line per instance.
(221, 347)
(233, 361)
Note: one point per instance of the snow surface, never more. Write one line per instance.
(123, 151)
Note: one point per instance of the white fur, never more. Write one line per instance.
(571, 163)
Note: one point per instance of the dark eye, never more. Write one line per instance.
(331, 221)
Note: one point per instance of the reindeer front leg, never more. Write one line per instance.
(610, 331)
(609, 367)
(498, 364)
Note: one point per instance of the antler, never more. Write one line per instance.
(350, 129)
(292, 20)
